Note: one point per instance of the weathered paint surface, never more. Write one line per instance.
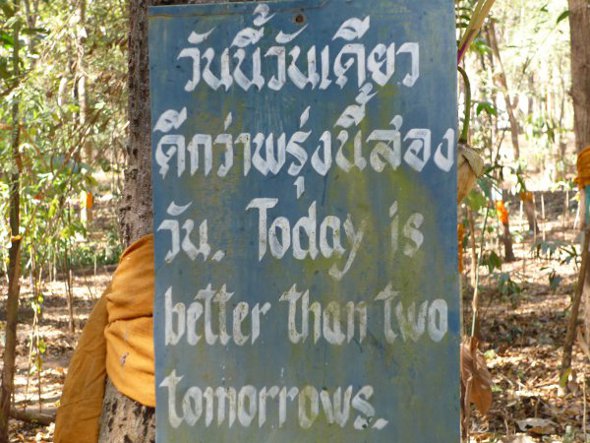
(303, 157)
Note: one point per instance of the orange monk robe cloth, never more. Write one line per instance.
(118, 341)
(583, 166)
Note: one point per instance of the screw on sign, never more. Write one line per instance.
(305, 214)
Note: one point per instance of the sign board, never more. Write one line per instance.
(305, 221)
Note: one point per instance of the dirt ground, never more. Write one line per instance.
(523, 324)
(39, 392)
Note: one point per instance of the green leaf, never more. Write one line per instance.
(4, 73)
(563, 379)
(487, 107)
(476, 200)
(481, 47)
(6, 39)
(42, 346)
(486, 185)
(565, 14)
(73, 108)
(493, 261)
(7, 8)
(34, 31)
(90, 181)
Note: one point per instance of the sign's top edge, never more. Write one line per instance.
(232, 7)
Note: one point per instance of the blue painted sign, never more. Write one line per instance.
(305, 221)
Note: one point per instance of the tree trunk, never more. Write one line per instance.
(580, 34)
(136, 206)
(579, 19)
(503, 84)
(506, 236)
(86, 213)
(123, 419)
(8, 367)
(507, 241)
(528, 204)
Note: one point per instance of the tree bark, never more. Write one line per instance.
(136, 207)
(8, 367)
(507, 241)
(507, 236)
(580, 54)
(123, 419)
(86, 213)
(579, 19)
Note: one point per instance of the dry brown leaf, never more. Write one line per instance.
(469, 167)
(537, 426)
(475, 377)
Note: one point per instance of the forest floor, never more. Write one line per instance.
(524, 311)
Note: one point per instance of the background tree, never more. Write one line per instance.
(8, 368)
(124, 419)
(48, 116)
(579, 16)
